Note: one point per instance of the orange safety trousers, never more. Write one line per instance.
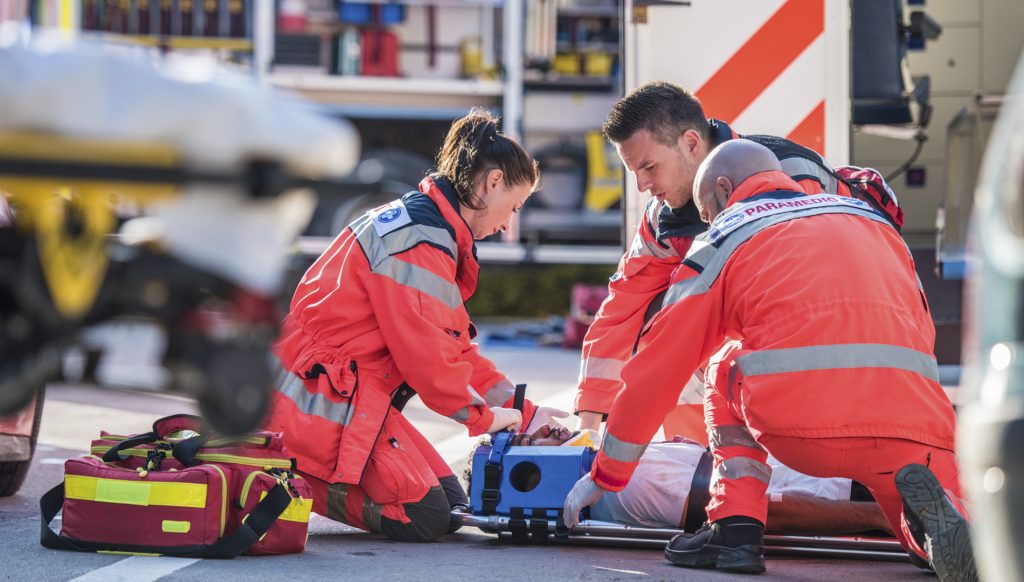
(741, 474)
(406, 490)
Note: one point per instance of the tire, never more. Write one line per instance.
(12, 473)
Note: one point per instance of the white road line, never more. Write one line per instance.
(136, 569)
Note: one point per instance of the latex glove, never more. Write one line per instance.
(545, 415)
(584, 494)
(505, 418)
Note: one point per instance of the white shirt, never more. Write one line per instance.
(657, 493)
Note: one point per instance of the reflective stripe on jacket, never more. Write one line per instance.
(662, 239)
(837, 339)
(382, 305)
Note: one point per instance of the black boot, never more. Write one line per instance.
(733, 544)
(936, 524)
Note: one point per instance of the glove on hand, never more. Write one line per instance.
(584, 494)
(505, 418)
(545, 415)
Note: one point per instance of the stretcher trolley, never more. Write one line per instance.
(518, 492)
(170, 191)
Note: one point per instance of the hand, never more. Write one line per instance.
(584, 494)
(545, 415)
(505, 418)
(590, 420)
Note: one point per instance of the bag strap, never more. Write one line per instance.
(161, 428)
(253, 527)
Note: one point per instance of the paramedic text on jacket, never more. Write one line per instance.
(379, 317)
(662, 136)
(836, 375)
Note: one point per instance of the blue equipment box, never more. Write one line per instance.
(526, 478)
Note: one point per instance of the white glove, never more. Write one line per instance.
(584, 494)
(505, 418)
(545, 415)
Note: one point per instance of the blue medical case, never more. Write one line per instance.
(524, 481)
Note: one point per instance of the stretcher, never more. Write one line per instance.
(523, 488)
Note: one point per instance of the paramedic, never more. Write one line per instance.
(661, 135)
(378, 318)
(835, 377)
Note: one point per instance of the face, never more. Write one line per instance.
(710, 196)
(545, 436)
(499, 200)
(666, 172)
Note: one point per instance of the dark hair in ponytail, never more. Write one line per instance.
(473, 147)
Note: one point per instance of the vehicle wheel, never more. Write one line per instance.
(12, 473)
(238, 389)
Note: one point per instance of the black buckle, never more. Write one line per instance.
(491, 495)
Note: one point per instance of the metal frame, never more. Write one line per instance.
(592, 532)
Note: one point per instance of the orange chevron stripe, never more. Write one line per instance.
(762, 58)
(811, 131)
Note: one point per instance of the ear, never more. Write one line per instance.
(725, 185)
(495, 177)
(691, 141)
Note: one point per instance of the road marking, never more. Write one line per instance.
(136, 569)
(634, 572)
(52, 461)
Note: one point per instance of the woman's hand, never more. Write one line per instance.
(505, 418)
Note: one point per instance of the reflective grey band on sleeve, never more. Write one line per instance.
(838, 357)
(499, 394)
(293, 388)
(461, 415)
(732, 435)
(620, 450)
(602, 369)
(740, 467)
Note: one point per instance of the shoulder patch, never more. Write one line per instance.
(390, 217)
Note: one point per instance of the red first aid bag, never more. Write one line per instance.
(175, 492)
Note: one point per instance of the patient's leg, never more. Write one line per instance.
(799, 513)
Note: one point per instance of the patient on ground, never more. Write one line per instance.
(658, 493)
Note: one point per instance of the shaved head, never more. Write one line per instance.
(725, 168)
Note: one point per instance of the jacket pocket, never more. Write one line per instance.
(343, 376)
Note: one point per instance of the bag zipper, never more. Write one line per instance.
(209, 457)
(214, 443)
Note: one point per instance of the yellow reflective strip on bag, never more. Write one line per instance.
(118, 553)
(171, 526)
(298, 510)
(169, 494)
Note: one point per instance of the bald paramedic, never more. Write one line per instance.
(835, 377)
(662, 136)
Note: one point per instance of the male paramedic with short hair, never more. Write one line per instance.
(835, 378)
(662, 135)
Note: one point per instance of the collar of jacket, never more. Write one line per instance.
(440, 190)
(677, 222)
(720, 133)
(760, 183)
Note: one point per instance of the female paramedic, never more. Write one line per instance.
(378, 318)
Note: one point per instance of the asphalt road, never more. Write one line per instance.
(75, 414)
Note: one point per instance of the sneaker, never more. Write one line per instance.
(733, 544)
(931, 516)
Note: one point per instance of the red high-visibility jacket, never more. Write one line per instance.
(383, 305)
(837, 338)
(662, 239)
